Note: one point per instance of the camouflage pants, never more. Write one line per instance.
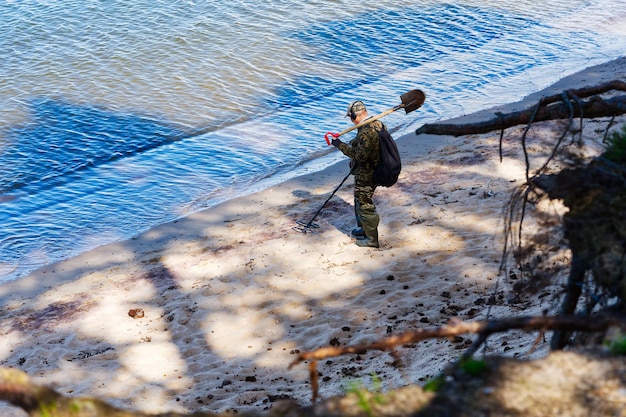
(364, 207)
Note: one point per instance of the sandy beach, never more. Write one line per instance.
(224, 299)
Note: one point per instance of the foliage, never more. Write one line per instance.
(433, 385)
(365, 396)
(616, 149)
(473, 367)
(618, 346)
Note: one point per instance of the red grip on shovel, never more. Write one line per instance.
(334, 135)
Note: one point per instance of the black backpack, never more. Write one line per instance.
(389, 165)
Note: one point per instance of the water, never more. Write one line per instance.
(118, 116)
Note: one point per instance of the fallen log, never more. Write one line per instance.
(560, 106)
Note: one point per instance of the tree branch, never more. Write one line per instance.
(457, 327)
(550, 108)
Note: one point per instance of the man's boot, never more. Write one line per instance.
(368, 242)
(358, 232)
(371, 237)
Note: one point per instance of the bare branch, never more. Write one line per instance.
(548, 108)
(457, 327)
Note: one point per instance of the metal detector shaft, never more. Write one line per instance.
(310, 223)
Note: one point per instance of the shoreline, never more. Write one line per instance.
(10, 272)
(64, 270)
(231, 293)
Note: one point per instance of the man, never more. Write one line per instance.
(363, 152)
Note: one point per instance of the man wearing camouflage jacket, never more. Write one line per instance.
(363, 151)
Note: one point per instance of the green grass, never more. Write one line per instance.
(618, 346)
(365, 397)
(433, 385)
(616, 146)
(473, 367)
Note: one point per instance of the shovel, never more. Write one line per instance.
(411, 101)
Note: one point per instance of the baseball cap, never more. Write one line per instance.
(355, 107)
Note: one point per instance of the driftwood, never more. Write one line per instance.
(560, 106)
(457, 327)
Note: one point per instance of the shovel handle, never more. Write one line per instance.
(363, 123)
(334, 135)
(412, 100)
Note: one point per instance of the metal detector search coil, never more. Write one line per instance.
(305, 227)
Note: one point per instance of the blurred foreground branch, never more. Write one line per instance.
(457, 327)
(40, 401)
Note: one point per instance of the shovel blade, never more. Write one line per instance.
(412, 100)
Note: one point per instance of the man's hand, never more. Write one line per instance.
(336, 142)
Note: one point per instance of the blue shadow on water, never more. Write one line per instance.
(61, 139)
